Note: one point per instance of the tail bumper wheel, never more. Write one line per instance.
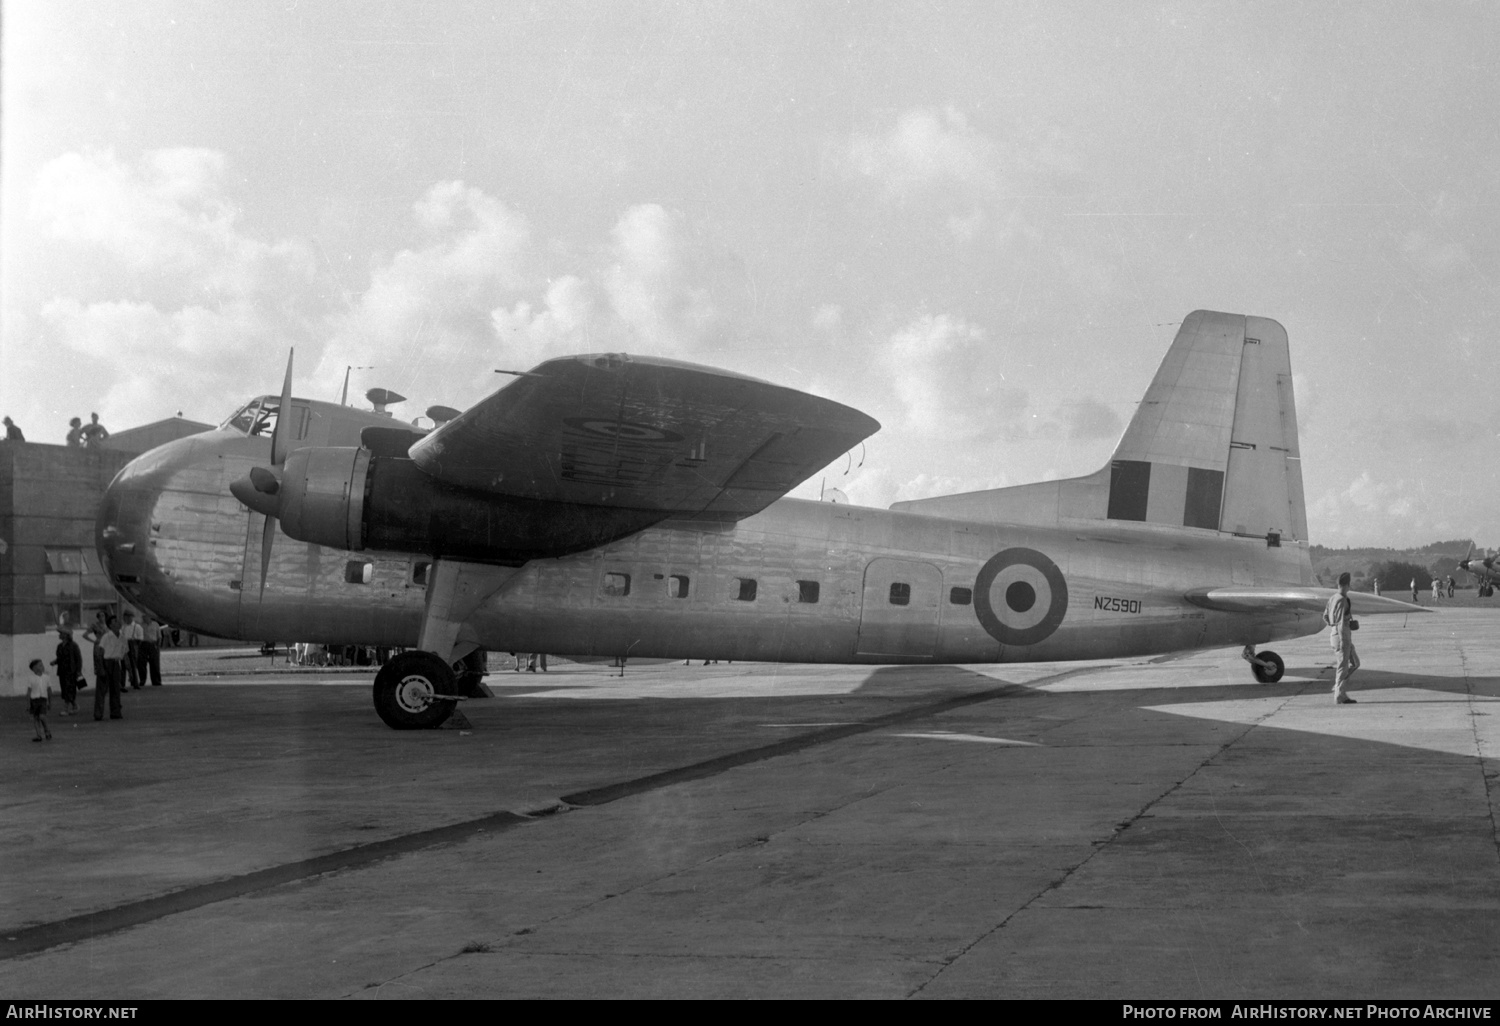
(1264, 675)
(410, 690)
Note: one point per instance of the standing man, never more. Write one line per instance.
(151, 651)
(114, 652)
(1338, 615)
(75, 433)
(1414, 589)
(1377, 585)
(69, 663)
(133, 636)
(94, 433)
(92, 634)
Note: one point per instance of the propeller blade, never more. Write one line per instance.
(281, 437)
(266, 538)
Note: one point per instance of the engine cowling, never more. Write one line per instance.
(348, 498)
(323, 495)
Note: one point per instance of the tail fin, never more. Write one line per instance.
(1213, 445)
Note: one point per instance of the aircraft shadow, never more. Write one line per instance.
(1369, 677)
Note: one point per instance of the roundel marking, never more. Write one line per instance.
(1020, 596)
(622, 430)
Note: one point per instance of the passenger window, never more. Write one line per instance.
(960, 596)
(617, 585)
(807, 591)
(900, 594)
(747, 589)
(357, 571)
(677, 586)
(419, 573)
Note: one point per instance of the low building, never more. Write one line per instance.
(50, 573)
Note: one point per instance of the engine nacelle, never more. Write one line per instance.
(348, 498)
(323, 495)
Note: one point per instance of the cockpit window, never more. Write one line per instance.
(257, 418)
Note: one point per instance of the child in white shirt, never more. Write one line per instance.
(38, 688)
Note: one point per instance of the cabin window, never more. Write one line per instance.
(617, 585)
(900, 594)
(357, 571)
(677, 586)
(419, 573)
(960, 596)
(807, 591)
(747, 589)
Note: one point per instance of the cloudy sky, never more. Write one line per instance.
(979, 223)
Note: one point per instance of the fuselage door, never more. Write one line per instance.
(899, 614)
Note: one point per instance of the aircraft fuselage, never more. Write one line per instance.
(799, 582)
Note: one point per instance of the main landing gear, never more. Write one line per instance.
(1267, 666)
(418, 691)
(415, 691)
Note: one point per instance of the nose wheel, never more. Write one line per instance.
(415, 691)
(1267, 666)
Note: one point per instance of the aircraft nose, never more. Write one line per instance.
(124, 531)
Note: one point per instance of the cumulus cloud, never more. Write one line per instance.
(938, 367)
(650, 283)
(1372, 510)
(166, 215)
(206, 299)
(925, 148)
(483, 292)
(431, 304)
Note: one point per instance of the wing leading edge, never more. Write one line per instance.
(641, 433)
(1293, 599)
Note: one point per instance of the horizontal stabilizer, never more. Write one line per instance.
(644, 434)
(1293, 599)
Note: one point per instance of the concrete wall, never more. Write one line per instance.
(49, 496)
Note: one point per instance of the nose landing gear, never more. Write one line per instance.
(1267, 666)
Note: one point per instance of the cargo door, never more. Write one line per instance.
(899, 612)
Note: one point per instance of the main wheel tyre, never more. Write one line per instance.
(407, 691)
(1264, 675)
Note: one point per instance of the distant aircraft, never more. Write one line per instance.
(1485, 571)
(618, 506)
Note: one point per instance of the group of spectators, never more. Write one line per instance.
(126, 655)
(80, 435)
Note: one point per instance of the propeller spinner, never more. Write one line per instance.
(260, 489)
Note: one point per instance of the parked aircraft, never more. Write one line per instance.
(620, 506)
(1486, 570)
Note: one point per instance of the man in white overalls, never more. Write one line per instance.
(1338, 615)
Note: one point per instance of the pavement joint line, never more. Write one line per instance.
(89, 925)
(1096, 849)
(1484, 778)
(29, 940)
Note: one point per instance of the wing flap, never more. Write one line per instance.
(1292, 598)
(642, 433)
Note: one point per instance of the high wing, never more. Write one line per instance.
(1294, 599)
(642, 433)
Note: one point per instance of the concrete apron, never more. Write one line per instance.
(1146, 829)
